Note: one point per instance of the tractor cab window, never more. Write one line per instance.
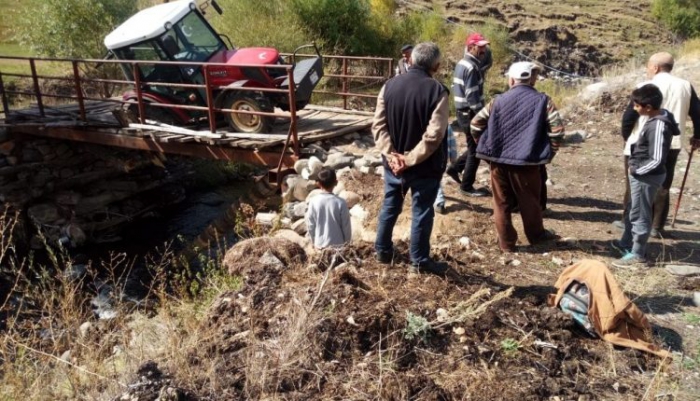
(150, 51)
(192, 39)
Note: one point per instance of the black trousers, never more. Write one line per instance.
(467, 161)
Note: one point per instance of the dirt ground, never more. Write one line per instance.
(369, 331)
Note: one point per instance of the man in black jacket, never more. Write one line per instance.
(409, 129)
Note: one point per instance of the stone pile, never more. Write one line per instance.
(299, 188)
(75, 193)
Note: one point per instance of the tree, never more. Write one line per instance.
(70, 28)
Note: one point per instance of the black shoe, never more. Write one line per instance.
(384, 257)
(430, 266)
(475, 193)
(547, 235)
(440, 209)
(454, 175)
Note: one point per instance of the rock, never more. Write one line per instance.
(268, 259)
(515, 262)
(372, 160)
(65, 356)
(696, 298)
(299, 227)
(483, 170)
(442, 314)
(301, 189)
(465, 242)
(366, 169)
(339, 188)
(675, 190)
(338, 161)
(351, 198)
(683, 270)
(238, 258)
(557, 261)
(300, 165)
(211, 199)
(68, 198)
(359, 163)
(44, 213)
(312, 194)
(315, 166)
(266, 219)
(358, 212)
(379, 171)
(299, 210)
(549, 182)
(360, 144)
(85, 329)
(459, 331)
(594, 91)
(345, 171)
(286, 222)
(30, 155)
(288, 209)
(6, 148)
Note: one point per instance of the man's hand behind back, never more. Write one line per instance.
(397, 163)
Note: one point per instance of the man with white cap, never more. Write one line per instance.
(517, 133)
(468, 90)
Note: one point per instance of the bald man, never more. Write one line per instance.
(681, 100)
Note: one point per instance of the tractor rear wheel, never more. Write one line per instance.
(248, 123)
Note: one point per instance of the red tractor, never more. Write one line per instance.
(178, 31)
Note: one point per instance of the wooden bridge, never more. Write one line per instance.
(82, 117)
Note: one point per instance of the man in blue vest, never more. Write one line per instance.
(517, 133)
(409, 129)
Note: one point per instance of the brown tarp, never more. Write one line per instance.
(615, 318)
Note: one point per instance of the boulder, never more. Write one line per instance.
(351, 198)
(300, 165)
(44, 213)
(299, 227)
(338, 161)
(243, 256)
(313, 193)
(299, 210)
(315, 166)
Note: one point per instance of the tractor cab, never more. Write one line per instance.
(178, 32)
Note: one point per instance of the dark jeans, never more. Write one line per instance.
(662, 201)
(516, 186)
(467, 161)
(423, 194)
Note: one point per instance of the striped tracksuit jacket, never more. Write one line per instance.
(468, 85)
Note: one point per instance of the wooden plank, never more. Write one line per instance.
(170, 138)
(339, 110)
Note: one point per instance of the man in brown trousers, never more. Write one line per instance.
(517, 133)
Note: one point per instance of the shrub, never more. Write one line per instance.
(682, 17)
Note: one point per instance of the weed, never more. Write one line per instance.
(691, 318)
(416, 327)
(510, 346)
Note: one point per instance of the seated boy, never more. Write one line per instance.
(646, 174)
(327, 216)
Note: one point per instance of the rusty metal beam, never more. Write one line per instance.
(195, 149)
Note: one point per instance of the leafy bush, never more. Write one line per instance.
(70, 28)
(681, 16)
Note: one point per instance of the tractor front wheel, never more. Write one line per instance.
(248, 123)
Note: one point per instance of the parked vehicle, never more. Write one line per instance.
(178, 31)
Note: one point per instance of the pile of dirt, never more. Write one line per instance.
(365, 330)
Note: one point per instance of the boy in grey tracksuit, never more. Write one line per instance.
(647, 172)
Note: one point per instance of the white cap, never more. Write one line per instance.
(522, 70)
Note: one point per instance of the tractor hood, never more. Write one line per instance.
(249, 55)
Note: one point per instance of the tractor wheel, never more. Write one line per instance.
(248, 123)
(159, 114)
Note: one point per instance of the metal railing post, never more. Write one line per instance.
(5, 105)
(37, 91)
(345, 83)
(139, 94)
(293, 110)
(210, 100)
(79, 90)
(391, 68)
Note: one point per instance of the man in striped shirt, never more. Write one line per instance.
(517, 133)
(468, 90)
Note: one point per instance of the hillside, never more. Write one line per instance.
(574, 36)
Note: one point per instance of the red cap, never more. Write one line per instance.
(476, 39)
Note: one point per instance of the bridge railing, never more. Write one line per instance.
(342, 72)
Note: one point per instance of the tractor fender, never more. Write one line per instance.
(149, 97)
(243, 83)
